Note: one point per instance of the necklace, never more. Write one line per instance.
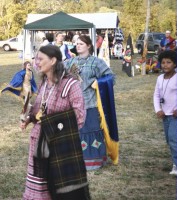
(162, 100)
(44, 102)
(80, 66)
(76, 68)
(49, 87)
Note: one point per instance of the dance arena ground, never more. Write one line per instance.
(144, 164)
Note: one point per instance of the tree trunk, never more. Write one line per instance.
(143, 72)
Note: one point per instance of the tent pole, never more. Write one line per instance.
(92, 32)
(24, 45)
(32, 43)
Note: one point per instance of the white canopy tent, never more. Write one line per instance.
(99, 20)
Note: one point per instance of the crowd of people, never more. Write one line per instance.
(70, 39)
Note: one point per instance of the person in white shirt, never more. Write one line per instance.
(66, 54)
(165, 101)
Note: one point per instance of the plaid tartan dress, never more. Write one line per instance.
(36, 188)
(66, 165)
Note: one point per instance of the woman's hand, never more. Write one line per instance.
(175, 113)
(160, 114)
(24, 124)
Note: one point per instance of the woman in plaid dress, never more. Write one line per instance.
(58, 92)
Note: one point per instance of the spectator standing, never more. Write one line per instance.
(165, 102)
(50, 38)
(99, 41)
(66, 54)
(75, 37)
(167, 43)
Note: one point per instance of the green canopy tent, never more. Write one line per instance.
(55, 22)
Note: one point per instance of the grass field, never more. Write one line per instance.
(144, 164)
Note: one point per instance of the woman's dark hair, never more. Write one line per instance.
(69, 36)
(49, 37)
(58, 69)
(168, 54)
(86, 39)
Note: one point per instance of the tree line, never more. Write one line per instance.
(131, 13)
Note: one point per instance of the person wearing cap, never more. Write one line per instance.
(167, 43)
